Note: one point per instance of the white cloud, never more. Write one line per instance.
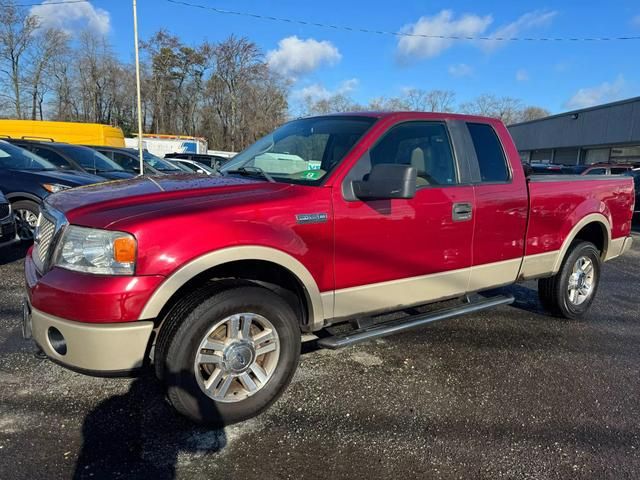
(72, 16)
(295, 56)
(522, 75)
(445, 24)
(603, 93)
(530, 20)
(460, 70)
(442, 24)
(317, 91)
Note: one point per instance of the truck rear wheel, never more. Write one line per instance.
(570, 292)
(231, 356)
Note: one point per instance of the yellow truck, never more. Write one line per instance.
(68, 132)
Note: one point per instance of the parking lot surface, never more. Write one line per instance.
(508, 393)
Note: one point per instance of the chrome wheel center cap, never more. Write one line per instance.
(238, 357)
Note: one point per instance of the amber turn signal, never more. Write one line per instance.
(124, 250)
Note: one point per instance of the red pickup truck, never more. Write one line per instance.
(328, 219)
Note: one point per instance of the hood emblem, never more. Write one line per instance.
(311, 218)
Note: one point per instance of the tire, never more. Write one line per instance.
(186, 365)
(554, 292)
(23, 212)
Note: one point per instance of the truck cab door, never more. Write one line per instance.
(391, 253)
(502, 206)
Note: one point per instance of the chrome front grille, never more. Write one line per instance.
(44, 235)
(5, 210)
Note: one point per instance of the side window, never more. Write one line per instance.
(597, 171)
(618, 170)
(190, 166)
(125, 161)
(493, 165)
(423, 145)
(53, 157)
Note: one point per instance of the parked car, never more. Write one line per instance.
(27, 179)
(8, 233)
(211, 161)
(327, 219)
(75, 157)
(555, 169)
(635, 174)
(128, 159)
(192, 166)
(607, 169)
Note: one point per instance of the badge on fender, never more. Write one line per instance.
(311, 217)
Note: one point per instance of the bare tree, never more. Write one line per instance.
(533, 113)
(507, 109)
(429, 100)
(16, 36)
(48, 45)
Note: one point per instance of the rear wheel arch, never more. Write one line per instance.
(594, 228)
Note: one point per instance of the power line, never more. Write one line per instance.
(59, 2)
(400, 34)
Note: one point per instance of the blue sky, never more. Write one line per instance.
(554, 75)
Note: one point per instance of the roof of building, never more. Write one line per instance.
(616, 123)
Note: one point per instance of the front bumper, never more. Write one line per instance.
(8, 234)
(106, 349)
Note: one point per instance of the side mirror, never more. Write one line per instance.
(387, 180)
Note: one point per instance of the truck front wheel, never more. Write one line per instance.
(570, 292)
(231, 356)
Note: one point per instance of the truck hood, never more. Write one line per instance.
(104, 204)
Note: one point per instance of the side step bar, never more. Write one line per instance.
(396, 326)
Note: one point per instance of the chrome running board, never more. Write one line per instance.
(401, 325)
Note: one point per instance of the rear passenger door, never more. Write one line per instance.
(501, 208)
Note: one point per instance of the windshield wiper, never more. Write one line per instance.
(252, 171)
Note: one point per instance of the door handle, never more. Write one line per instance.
(462, 212)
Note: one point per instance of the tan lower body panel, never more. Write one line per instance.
(618, 247)
(539, 265)
(493, 274)
(94, 347)
(400, 293)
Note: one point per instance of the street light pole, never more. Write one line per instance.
(138, 95)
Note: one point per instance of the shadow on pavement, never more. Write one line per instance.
(138, 435)
(13, 253)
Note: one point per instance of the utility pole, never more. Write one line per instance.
(139, 97)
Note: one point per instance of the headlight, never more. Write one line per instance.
(54, 187)
(91, 250)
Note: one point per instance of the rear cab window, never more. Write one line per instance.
(491, 158)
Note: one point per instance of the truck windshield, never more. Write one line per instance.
(302, 151)
(91, 159)
(16, 158)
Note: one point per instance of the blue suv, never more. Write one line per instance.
(27, 179)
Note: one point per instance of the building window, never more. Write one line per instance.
(566, 156)
(625, 154)
(541, 156)
(596, 155)
(525, 156)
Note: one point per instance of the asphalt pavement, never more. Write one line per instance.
(507, 393)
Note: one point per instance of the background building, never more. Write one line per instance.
(607, 133)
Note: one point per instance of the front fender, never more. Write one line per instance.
(226, 255)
